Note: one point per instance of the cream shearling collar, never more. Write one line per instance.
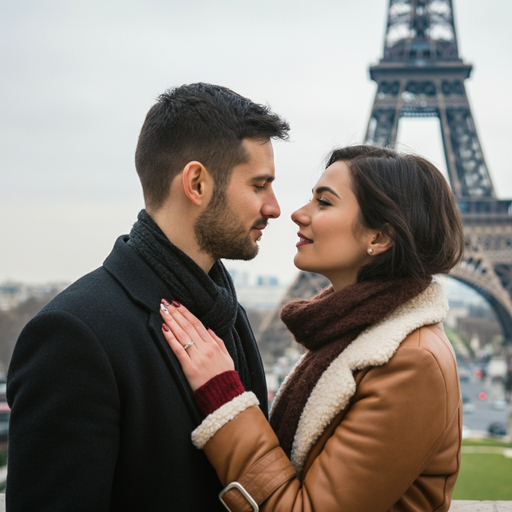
(373, 347)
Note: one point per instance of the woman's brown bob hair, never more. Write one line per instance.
(408, 199)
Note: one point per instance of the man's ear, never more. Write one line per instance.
(197, 183)
(382, 240)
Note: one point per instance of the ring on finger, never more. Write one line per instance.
(188, 345)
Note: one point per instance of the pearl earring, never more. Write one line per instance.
(370, 251)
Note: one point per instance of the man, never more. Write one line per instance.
(101, 412)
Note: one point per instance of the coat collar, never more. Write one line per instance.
(373, 347)
(146, 289)
(139, 281)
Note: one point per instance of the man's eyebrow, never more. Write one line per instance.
(319, 190)
(264, 177)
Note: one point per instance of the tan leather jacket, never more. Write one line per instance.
(380, 432)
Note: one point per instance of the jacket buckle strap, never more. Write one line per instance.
(243, 492)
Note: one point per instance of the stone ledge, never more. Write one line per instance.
(457, 506)
(481, 506)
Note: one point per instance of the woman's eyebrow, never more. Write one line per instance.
(319, 190)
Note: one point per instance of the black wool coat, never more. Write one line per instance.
(101, 411)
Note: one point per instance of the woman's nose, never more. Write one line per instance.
(300, 216)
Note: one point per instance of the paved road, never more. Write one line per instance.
(483, 414)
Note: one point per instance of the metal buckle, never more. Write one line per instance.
(245, 494)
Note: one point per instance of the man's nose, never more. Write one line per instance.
(271, 207)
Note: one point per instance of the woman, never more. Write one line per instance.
(370, 418)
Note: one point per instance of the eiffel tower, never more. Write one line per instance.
(422, 75)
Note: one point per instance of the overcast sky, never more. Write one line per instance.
(79, 76)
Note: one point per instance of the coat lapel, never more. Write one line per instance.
(373, 347)
(146, 289)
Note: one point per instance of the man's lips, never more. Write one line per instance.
(258, 229)
(303, 240)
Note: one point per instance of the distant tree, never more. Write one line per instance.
(256, 317)
(459, 343)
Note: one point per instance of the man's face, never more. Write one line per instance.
(233, 221)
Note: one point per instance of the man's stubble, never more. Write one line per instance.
(220, 233)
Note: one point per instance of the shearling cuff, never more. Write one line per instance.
(215, 421)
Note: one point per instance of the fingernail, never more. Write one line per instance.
(164, 309)
(165, 328)
(165, 303)
(176, 304)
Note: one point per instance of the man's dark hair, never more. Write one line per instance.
(407, 198)
(200, 122)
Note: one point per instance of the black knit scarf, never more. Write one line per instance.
(211, 297)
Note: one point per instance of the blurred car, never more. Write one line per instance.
(5, 414)
(499, 404)
(467, 406)
(464, 374)
(465, 432)
(497, 429)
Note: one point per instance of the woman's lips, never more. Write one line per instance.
(303, 240)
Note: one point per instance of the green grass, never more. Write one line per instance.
(485, 442)
(484, 476)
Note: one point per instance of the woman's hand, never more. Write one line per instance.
(205, 355)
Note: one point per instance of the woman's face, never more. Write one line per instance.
(332, 242)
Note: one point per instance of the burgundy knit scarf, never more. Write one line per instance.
(325, 326)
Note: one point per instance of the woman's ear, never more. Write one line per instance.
(197, 183)
(382, 240)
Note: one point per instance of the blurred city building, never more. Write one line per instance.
(262, 293)
(12, 294)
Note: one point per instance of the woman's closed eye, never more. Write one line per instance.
(322, 202)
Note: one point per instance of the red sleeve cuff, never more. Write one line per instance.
(218, 391)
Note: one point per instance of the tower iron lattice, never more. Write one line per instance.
(422, 75)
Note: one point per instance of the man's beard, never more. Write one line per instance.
(221, 234)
